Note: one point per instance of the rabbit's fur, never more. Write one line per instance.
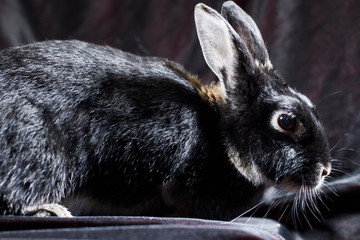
(107, 132)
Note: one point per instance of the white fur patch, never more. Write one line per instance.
(267, 65)
(248, 169)
(291, 153)
(45, 210)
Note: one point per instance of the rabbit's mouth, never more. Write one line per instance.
(289, 185)
(310, 180)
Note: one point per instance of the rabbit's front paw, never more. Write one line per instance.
(47, 210)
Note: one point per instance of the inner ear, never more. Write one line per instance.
(224, 51)
(215, 41)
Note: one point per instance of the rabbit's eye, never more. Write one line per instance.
(287, 122)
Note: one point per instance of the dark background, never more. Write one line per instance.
(314, 44)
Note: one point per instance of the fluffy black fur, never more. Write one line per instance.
(107, 132)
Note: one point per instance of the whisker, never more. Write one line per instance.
(294, 212)
(287, 206)
(249, 210)
(329, 95)
(304, 212)
(320, 194)
(314, 203)
(332, 189)
(356, 163)
(312, 206)
(338, 170)
(299, 205)
(343, 149)
(256, 207)
(272, 206)
(336, 144)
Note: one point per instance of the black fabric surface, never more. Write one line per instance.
(139, 228)
(314, 44)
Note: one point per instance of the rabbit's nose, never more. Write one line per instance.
(326, 171)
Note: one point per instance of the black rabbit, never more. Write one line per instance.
(109, 133)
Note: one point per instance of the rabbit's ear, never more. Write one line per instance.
(224, 51)
(247, 29)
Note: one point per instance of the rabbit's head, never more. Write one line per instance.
(272, 132)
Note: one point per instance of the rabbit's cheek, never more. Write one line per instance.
(249, 169)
